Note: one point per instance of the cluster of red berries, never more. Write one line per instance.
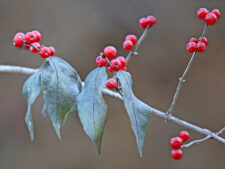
(209, 17)
(176, 143)
(30, 41)
(198, 45)
(148, 21)
(129, 42)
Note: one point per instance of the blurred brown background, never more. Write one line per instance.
(79, 30)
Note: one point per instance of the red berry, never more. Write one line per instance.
(109, 69)
(176, 154)
(37, 45)
(191, 47)
(200, 47)
(101, 61)
(193, 40)
(30, 37)
(204, 40)
(111, 83)
(132, 38)
(110, 52)
(210, 19)
(202, 12)
(176, 142)
(52, 51)
(20, 34)
(26, 46)
(217, 13)
(143, 23)
(184, 135)
(151, 20)
(115, 65)
(45, 52)
(18, 41)
(124, 69)
(38, 35)
(122, 61)
(127, 45)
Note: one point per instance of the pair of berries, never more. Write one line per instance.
(30, 41)
(148, 21)
(129, 42)
(209, 17)
(197, 45)
(176, 143)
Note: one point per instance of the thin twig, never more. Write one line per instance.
(156, 112)
(182, 78)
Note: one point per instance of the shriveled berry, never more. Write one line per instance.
(124, 69)
(127, 45)
(38, 35)
(202, 12)
(26, 46)
(100, 61)
(110, 52)
(122, 61)
(151, 20)
(184, 135)
(115, 65)
(191, 47)
(176, 142)
(217, 13)
(36, 45)
(176, 154)
(204, 40)
(143, 23)
(200, 47)
(109, 69)
(52, 51)
(111, 83)
(210, 19)
(193, 40)
(30, 37)
(18, 41)
(132, 38)
(45, 52)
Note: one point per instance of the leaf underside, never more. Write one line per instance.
(139, 112)
(61, 85)
(31, 90)
(92, 109)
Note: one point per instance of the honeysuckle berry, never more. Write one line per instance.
(18, 41)
(210, 19)
(151, 20)
(202, 12)
(200, 47)
(100, 61)
(124, 69)
(122, 61)
(26, 46)
(30, 37)
(176, 154)
(110, 52)
(20, 34)
(127, 45)
(176, 142)
(109, 69)
(217, 13)
(132, 38)
(52, 51)
(204, 40)
(115, 65)
(193, 40)
(191, 47)
(111, 83)
(44, 52)
(38, 35)
(143, 23)
(184, 135)
(36, 45)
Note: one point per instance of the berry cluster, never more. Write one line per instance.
(30, 41)
(198, 45)
(209, 17)
(176, 143)
(129, 42)
(148, 21)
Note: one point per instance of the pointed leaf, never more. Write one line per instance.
(61, 85)
(31, 89)
(138, 111)
(92, 109)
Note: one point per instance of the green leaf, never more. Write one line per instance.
(31, 90)
(61, 85)
(92, 109)
(138, 111)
